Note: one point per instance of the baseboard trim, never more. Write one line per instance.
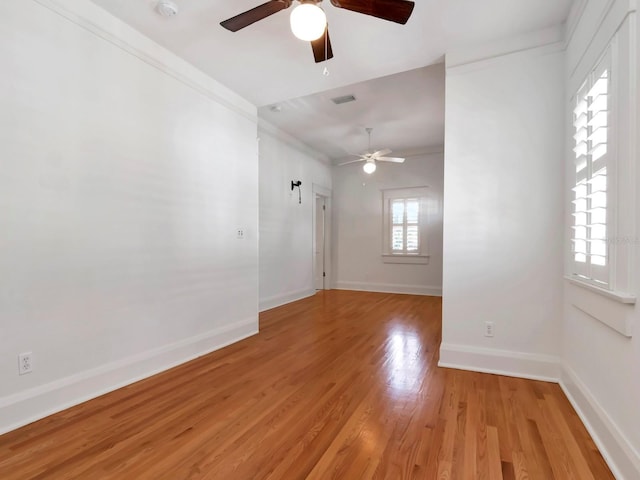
(433, 291)
(279, 300)
(617, 451)
(34, 404)
(500, 362)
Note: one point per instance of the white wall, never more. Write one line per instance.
(357, 224)
(503, 211)
(125, 173)
(286, 226)
(601, 371)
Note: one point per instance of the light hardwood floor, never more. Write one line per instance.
(343, 385)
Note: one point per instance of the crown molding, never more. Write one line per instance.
(543, 41)
(573, 20)
(265, 127)
(102, 24)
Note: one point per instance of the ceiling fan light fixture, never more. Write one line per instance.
(369, 167)
(308, 21)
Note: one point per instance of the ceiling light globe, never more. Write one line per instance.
(369, 167)
(308, 21)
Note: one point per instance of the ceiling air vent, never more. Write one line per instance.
(343, 99)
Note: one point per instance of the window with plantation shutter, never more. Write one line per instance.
(405, 237)
(405, 225)
(591, 213)
(601, 174)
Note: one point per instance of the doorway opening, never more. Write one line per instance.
(321, 238)
(320, 241)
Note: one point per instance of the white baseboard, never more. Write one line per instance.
(435, 291)
(620, 455)
(622, 458)
(25, 407)
(500, 362)
(278, 300)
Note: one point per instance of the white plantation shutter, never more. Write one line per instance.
(592, 154)
(405, 218)
(405, 234)
(412, 221)
(602, 178)
(397, 229)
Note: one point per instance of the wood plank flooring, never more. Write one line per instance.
(342, 385)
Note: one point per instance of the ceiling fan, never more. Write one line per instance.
(309, 22)
(370, 159)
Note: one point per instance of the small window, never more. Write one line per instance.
(405, 236)
(405, 225)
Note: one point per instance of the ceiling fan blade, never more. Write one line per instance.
(390, 159)
(322, 50)
(397, 11)
(351, 161)
(255, 14)
(379, 153)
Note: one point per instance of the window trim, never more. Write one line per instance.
(405, 224)
(601, 276)
(422, 255)
(622, 239)
(620, 297)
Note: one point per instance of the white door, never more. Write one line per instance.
(319, 242)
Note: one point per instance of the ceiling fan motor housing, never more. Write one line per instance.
(306, 25)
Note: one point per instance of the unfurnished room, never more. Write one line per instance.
(319, 239)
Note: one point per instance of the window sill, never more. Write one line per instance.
(620, 297)
(613, 309)
(407, 259)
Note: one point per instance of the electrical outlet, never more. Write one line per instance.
(240, 234)
(488, 329)
(25, 363)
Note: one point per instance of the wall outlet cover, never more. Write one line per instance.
(488, 329)
(25, 363)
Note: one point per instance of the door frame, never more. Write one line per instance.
(320, 191)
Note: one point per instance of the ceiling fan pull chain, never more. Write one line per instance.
(325, 72)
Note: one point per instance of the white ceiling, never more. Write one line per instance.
(383, 64)
(405, 110)
(265, 63)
